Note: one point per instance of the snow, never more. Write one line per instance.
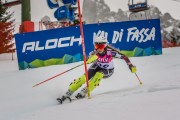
(119, 97)
(169, 29)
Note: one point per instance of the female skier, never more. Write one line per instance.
(102, 67)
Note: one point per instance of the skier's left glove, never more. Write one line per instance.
(132, 68)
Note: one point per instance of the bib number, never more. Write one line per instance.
(103, 65)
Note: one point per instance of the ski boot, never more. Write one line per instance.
(81, 94)
(72, 88)
(92, 84)
(65, 97)
(61, 100)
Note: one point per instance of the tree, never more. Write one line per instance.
(6, 30)
(174, 35)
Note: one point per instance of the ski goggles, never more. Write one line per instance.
(99, 46)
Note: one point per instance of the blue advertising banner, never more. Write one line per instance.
(63, 45)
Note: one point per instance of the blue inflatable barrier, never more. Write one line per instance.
(52, 4)
(62, 13)
(69, 1)
(71, 15)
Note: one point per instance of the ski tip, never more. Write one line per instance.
(59, 100)
(66, 100)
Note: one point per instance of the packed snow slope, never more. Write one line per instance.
(119, 97)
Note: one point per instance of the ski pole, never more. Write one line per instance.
(138, 79)
(57, 75)
(119, 52)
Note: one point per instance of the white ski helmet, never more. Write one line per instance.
(100, 40)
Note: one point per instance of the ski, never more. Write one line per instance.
(64, 100)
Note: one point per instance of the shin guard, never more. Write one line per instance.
(77, 83)
(95, 80)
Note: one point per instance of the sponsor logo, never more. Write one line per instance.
(51, 44)
(133, 34)
(142, 35)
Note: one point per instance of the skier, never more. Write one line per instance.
(102, 67)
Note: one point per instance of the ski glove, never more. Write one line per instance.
(91, 59)
(132, 68)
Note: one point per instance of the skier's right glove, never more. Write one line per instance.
(91, 59)
(132, 68)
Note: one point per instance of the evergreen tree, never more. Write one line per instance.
(6, 30)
